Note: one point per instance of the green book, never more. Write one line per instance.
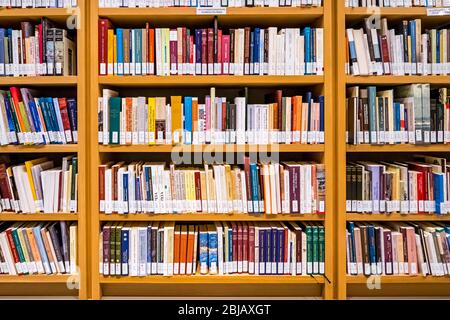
(315, 249)
(321, 250)
(309, 250)
(112, 247)
(115, 107)
(118, 254)
(73, 187)
(19, 249)
(138, 55)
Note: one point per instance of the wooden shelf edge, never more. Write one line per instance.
(396, 80)
(419, 279)
(38, 217)
(209, 217)
(211, 80)
(398, 148)
(214, 148)
(396, 217)
(40, 149)
(53, 81)
(38, 279)
(208, 279)
(413, 11)
(36, 12)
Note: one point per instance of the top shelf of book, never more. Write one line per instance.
(58, 15)
(178, 16)
(356, 14)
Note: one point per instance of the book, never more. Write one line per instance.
(256, 188)
(38, 248)
(418, 186)
(40, 185)
(212, 120)
(223, 248)
(396, 248)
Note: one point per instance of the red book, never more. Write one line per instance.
(219, 51)
(245, 247)
(388, 256)
(210, 51)
(420, 191)
(385, 55)
(103, 26)
(248, 184)
(191, 52)
(173, 51)
(184, 49)
(65, 118)
(101, 186)
(204, 51)
(225, 54)
(41, 45)
(235, 246)
(5, 190)
(13, 249)
(251, 249)
(151, 50)
(240, 247)
(198, 191)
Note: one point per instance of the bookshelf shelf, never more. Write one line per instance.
(398, 148)
(44, 81)
(396, 80)
(396, 217)
(218, 81)
(214, 148)
(209, 279)
(58, 15)
(38, 217)
(401, 280)
(357, 14)
(36, 279)
(40, 149)
(210, 217)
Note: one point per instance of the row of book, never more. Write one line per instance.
(40, 185)
(406, 50)
(38, 3)
(38, 248)
(256, 188)
(412, 114)
(420, 186)
(27, 119)
(35, 50)
(397, 3)
(185, 120)
(209, 51)
(207, 3)
(170, 249)
(398, 249)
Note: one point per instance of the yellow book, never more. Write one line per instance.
(177, 116)
(152, 120)
(29, 165)
(111, 44)
(229, 186)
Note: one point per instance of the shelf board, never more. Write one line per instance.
(213, 80)
(398, 148)
(43, 81)
(396, 217)
(67, 148)
(210, 217)
(208, 279)
(38, 217)
(233, 17)
(214, 148)
(401, 280)
(38, 279)
(13, 15)
(396, 80)
(355, 15)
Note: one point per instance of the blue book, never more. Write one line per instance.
(252, 52)
(255, 182)
(46, 116)
(35, 116)
(148, 185)
(230, 248)
(279, 255)
(397, 117)
(203, 250)
(137, 188)
(73, 117)
(41, 248)
(372, 93)
(120, 52)
(262, 269)
(309, 101)
(149, 250)
(138, 55)
(372, 249)
(125, 192)
(274, 255)
(439, 187)
(51, 118)
(187, 120)
(412, 32)
(142, 251)
(438, 46)
(212, 250)
(308, 41)
(257, 49)
(322, 118)
(198, 51)
(54, 119)
(266, 254)
(2, 52)
(351, 230)
(9, 114)
(124, 242)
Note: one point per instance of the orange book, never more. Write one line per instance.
(129, 120)
(195, 118)
(177, 119)
(275, 117)
(35, 251)
(51, 259)
(190, 250)
(183, 248)
(299, 117)
(176, 250)
(151, 50)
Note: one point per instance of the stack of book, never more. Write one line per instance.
(178, 120)
(420, 186)
(39, 185)
(207, 3)
(398, 249)
(271, 188)
(27, 119)
(35, 50)
(38, 3)
(209, 51)
(412, 114)
(397, 3)
(168, 249)
(407, 50)
(38, 248)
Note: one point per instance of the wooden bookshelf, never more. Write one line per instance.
(236, 17)
(54, 285)
(357, 286)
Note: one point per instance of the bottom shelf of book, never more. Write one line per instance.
(39, 285)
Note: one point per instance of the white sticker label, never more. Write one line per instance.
(211, 11)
